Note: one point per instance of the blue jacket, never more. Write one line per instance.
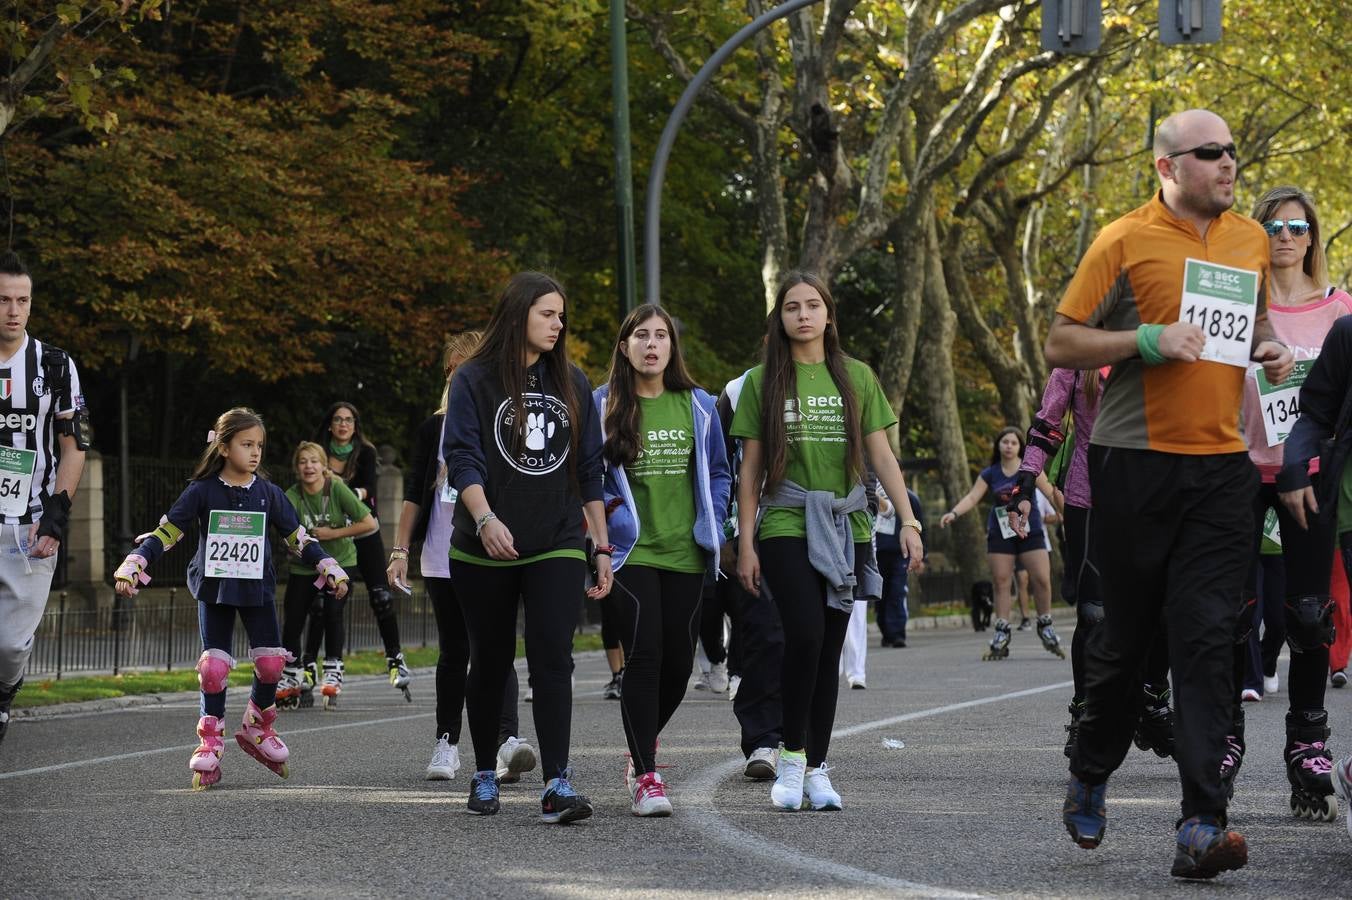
(713, 481)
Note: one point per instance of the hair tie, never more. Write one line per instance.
(211, 437)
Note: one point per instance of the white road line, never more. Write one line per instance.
(188, 748)
(698, 810)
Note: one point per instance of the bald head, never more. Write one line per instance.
(1178, 131)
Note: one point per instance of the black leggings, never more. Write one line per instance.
(371, 564)
(659, 619)
(711, 627)
(813, 636)
(298, 602)
(453, 663)
(610, 622)
(1307, 556)
(551, 590)
(1083, 576)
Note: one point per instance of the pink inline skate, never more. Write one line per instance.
(206, 759)
(257, 738)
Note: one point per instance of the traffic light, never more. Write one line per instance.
(1071, 26)
(1190, 21)
(1075, 26)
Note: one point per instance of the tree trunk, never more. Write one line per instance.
(935, 358)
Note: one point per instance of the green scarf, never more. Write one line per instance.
(342, 452)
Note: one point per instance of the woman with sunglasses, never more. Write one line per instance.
(1302, 308)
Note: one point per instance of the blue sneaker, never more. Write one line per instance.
(560, 804)
(483, 793)
(1084, 812)
(1205, 849)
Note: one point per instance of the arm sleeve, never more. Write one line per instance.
(590, 462)
(366, 470)
(1056, 399)
(720, 472)
(172, 529)
(461, 444)
(1321, 400)
(424, 446)
(72, 399)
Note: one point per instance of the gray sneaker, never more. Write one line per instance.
(761, 764)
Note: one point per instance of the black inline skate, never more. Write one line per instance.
(1155, 728)
(1309, 766)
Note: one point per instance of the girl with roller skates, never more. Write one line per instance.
(232, 504)
(332, 514)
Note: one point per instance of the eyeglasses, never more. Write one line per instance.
(1209, 152)
(1297, 227)
(344, 420)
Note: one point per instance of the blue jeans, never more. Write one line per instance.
(217, 624)
(892, 613)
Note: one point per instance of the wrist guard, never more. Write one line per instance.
(55, 516)
(328, 568)
(1025, 485)
(1045, 436)
(133, 572)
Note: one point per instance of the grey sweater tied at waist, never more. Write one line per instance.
(830, 543)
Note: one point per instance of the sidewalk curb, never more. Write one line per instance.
(56, 710)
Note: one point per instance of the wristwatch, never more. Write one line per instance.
(914, 523)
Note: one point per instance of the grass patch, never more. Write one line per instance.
(49, 692)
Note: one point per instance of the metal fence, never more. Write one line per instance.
(165, 635)
(155, 485)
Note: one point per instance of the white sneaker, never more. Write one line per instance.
(787, 792)
(650, 797)
(1342, 786)
(718, 677)
(445, 760)
(1271, 684)
(702, 683)
(856, 683)
(820, 794)
(733, 684)
(1249, 695)
(514, 757)
(761, 764)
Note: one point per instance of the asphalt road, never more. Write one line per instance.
(98, 803)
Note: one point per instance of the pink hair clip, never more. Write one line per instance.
(211, 437)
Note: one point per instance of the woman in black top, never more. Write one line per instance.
(353, 458)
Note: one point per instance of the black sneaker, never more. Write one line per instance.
(612, 689)
(560, 804)
(6, 698)
(1338, 679)
(483, 794)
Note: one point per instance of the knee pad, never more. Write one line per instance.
(1244, 624)
(1088, 614)
(1309, 623)
(269, 662)
(213, 670)
(381, 604)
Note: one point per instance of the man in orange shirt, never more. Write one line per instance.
(1172, 296)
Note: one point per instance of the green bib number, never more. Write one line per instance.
(16, 480)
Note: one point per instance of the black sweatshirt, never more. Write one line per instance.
(421, 478)
(1325, 416)
(531, 490)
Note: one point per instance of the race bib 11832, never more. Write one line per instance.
(1223, 302)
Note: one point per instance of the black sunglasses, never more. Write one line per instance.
(1297, 227)
(1209, 152)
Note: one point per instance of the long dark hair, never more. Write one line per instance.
(230, 423)
(622, 407)
(781, 382)
(503, 350)
(995, 450)
(323, 436)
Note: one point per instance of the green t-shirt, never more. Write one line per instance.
(333, 508)
(662, 482)
(815, 425)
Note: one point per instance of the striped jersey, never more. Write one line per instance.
(1132, 275)
(29, 407)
